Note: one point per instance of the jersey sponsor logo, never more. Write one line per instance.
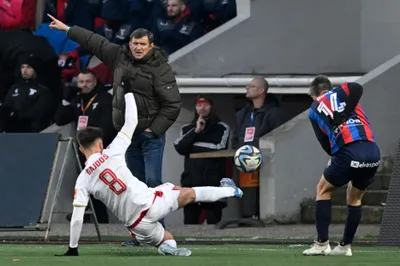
(356, 164)
(97, 164)
(353, 121)
(349, 122)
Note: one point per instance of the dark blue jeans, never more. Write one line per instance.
(144, 158)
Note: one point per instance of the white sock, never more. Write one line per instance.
(211, 194)
(172, 243)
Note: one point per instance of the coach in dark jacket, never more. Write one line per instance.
(204, 134)
(153, 82)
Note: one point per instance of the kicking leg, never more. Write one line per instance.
(354, 213)
(209, 194)
(323, 210)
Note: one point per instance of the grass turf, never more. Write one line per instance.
(205, 255)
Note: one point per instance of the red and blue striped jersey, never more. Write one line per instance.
(357, 126)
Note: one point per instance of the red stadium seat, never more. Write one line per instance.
(16, 14)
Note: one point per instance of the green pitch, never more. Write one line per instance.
(230, 255)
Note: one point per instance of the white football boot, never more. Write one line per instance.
(318, 249)
(165, 249)
(340, 250)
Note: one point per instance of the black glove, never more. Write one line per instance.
(339, 118)
(126, 85)
(67, 63)
(70, 252)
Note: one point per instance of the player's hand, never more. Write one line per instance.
(339, 118)
(57, 24)
(200, 124)
(126, 85)
(70, 252)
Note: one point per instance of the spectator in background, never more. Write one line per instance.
(159, 8)
(217, 12)
(28, 105)
(15, 45)
(178, 30)
(260, 116)
(204, 134)
(91, 101)
(75, 12)
(90, 106)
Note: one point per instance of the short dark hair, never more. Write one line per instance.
(182, 2)
(87, 136)
(140, 33)
(319, 84)
(88, 71)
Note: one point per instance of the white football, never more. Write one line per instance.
(248, 159)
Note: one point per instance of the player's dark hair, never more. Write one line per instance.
(319, 84)
(140, 33)
(87, 136)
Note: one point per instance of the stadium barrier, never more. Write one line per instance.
(389, 234)
(35, 167)
(237, 85)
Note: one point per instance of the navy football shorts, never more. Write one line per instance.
(356, 162)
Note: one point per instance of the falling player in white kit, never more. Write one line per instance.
(139, 207)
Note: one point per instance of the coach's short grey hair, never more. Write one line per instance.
(263, 83)
(140, 33)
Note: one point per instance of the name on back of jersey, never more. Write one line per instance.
(97, 164)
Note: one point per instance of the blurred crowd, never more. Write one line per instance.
(41, 76)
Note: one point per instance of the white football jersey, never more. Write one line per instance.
(107, 177)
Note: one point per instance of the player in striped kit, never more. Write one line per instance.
(344, 132)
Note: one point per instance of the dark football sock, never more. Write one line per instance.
(353, 220)
(323, 210)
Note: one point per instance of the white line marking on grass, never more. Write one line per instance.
(279, 249)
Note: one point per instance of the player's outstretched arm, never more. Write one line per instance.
(123, 139)
(76, 226)
(131, 116)
(75, 231)
(81, 199)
